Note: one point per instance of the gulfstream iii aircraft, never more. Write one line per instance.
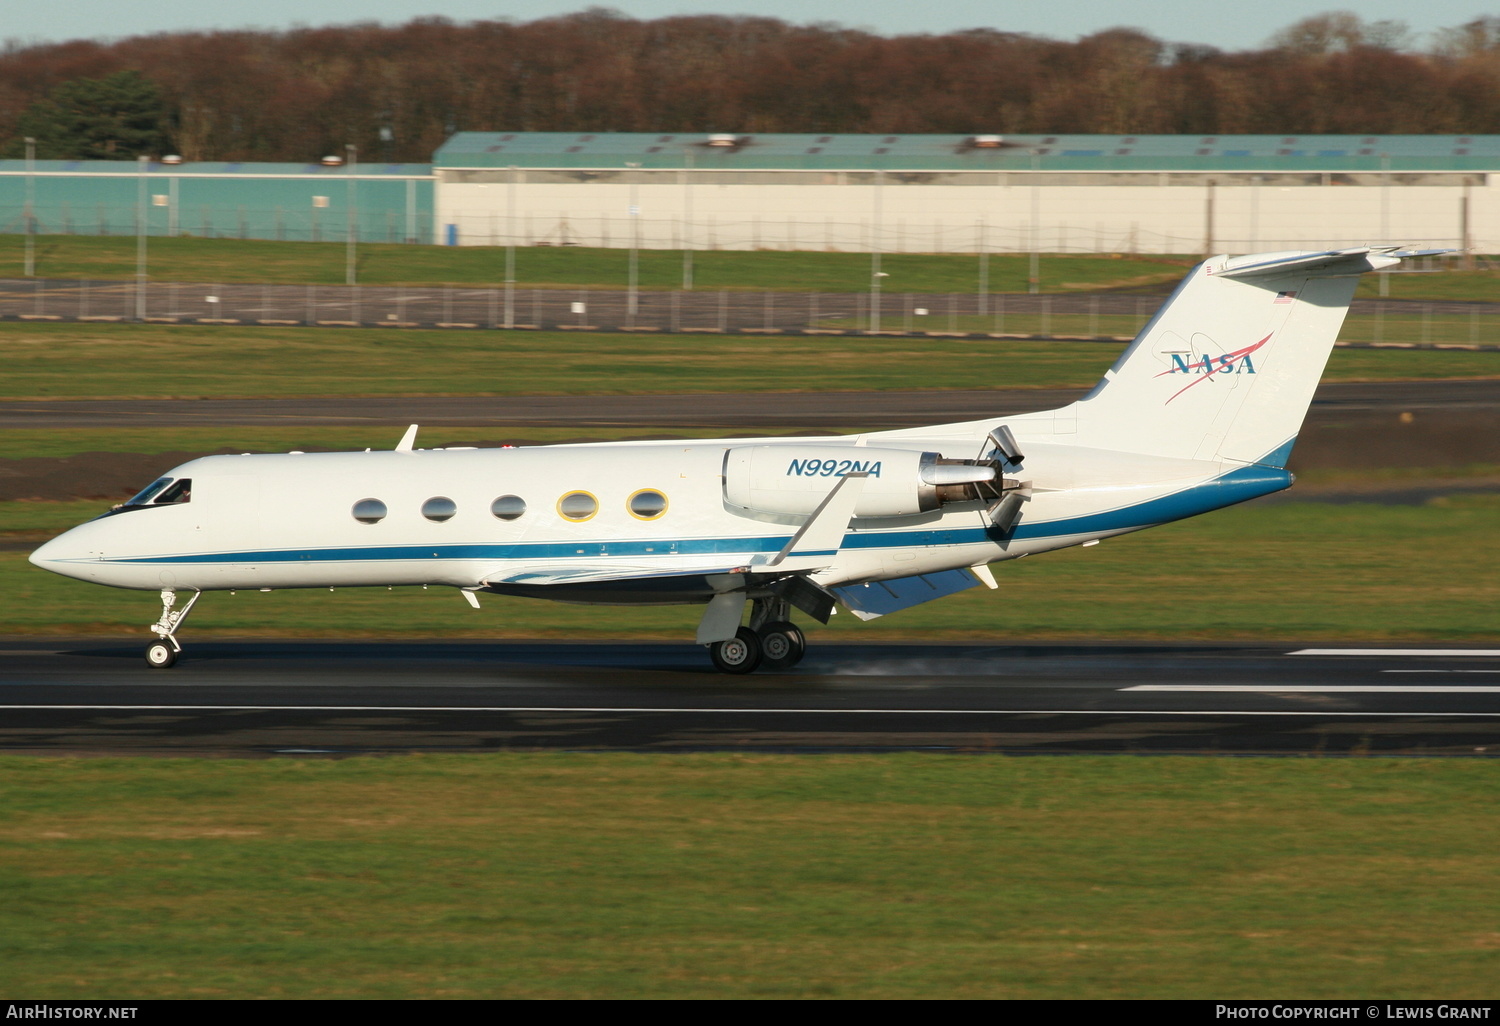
(1198, 413)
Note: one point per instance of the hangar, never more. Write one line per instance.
(891, 193)
(957, 193)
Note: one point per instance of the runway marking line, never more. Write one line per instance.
(628, 709)
(1491, 652)
(1399, 689)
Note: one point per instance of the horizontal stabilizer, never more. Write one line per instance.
(867, 601)
(1318, 265)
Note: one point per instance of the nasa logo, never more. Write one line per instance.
(1211, 364)
(1208, 366)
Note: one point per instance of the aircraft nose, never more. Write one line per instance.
(58, 555)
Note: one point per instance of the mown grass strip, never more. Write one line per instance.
(144, 360)
(122, 361)
(1255, 572)
(24, 443)
(240, 260)
(574, 875)
(1406, 326)
(323, 263)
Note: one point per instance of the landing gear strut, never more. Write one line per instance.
(163, 652)
(771, 640)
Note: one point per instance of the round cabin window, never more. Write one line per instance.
(577, 506)
(508, 507)
(439, 508)
(647, 504)
(369, 511)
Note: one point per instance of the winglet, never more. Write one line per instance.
(407, 440)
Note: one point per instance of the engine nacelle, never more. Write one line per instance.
(794, 479)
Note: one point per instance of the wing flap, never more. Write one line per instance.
(868, 601)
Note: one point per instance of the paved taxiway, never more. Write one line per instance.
(717, 311)
(249, 698)
(777, 410)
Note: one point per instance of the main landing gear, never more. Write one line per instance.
(163, 652)
(771, 640)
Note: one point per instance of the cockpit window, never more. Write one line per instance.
(146, 494)
(157, 493)
(180, 492)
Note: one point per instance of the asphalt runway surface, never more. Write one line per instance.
(761, 410)
(332, 698)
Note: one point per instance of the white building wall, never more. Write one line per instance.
(1167, 218)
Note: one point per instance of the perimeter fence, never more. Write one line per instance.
(1080, 317)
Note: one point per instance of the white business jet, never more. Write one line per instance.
(1198, 413)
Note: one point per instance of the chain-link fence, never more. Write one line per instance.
(864, 235)
(1068, 316)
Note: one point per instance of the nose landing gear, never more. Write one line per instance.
(163, 652)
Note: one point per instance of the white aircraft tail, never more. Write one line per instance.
(1227, 367)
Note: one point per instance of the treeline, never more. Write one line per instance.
(398, 91)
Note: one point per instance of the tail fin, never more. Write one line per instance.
(1227, 367)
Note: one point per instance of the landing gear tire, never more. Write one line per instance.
(160, 655)
(740, 654)
(782, 644)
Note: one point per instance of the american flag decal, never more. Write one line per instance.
(1285, 297)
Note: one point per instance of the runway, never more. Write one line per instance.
(332, 698)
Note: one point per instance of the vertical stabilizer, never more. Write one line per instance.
(1227, 367)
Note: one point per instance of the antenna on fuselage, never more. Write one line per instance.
(407, 440)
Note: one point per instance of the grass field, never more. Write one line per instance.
(897, 876)
(22, 443)
(224, 261)
(129, 360)
(1279, 572)
(1412, 327)
(589, 875)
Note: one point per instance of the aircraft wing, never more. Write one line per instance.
(598, 572)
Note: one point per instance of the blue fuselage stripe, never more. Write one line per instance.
(1236, 486)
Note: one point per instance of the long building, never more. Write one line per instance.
(294, 202)
(954, 193)
(894, 193)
